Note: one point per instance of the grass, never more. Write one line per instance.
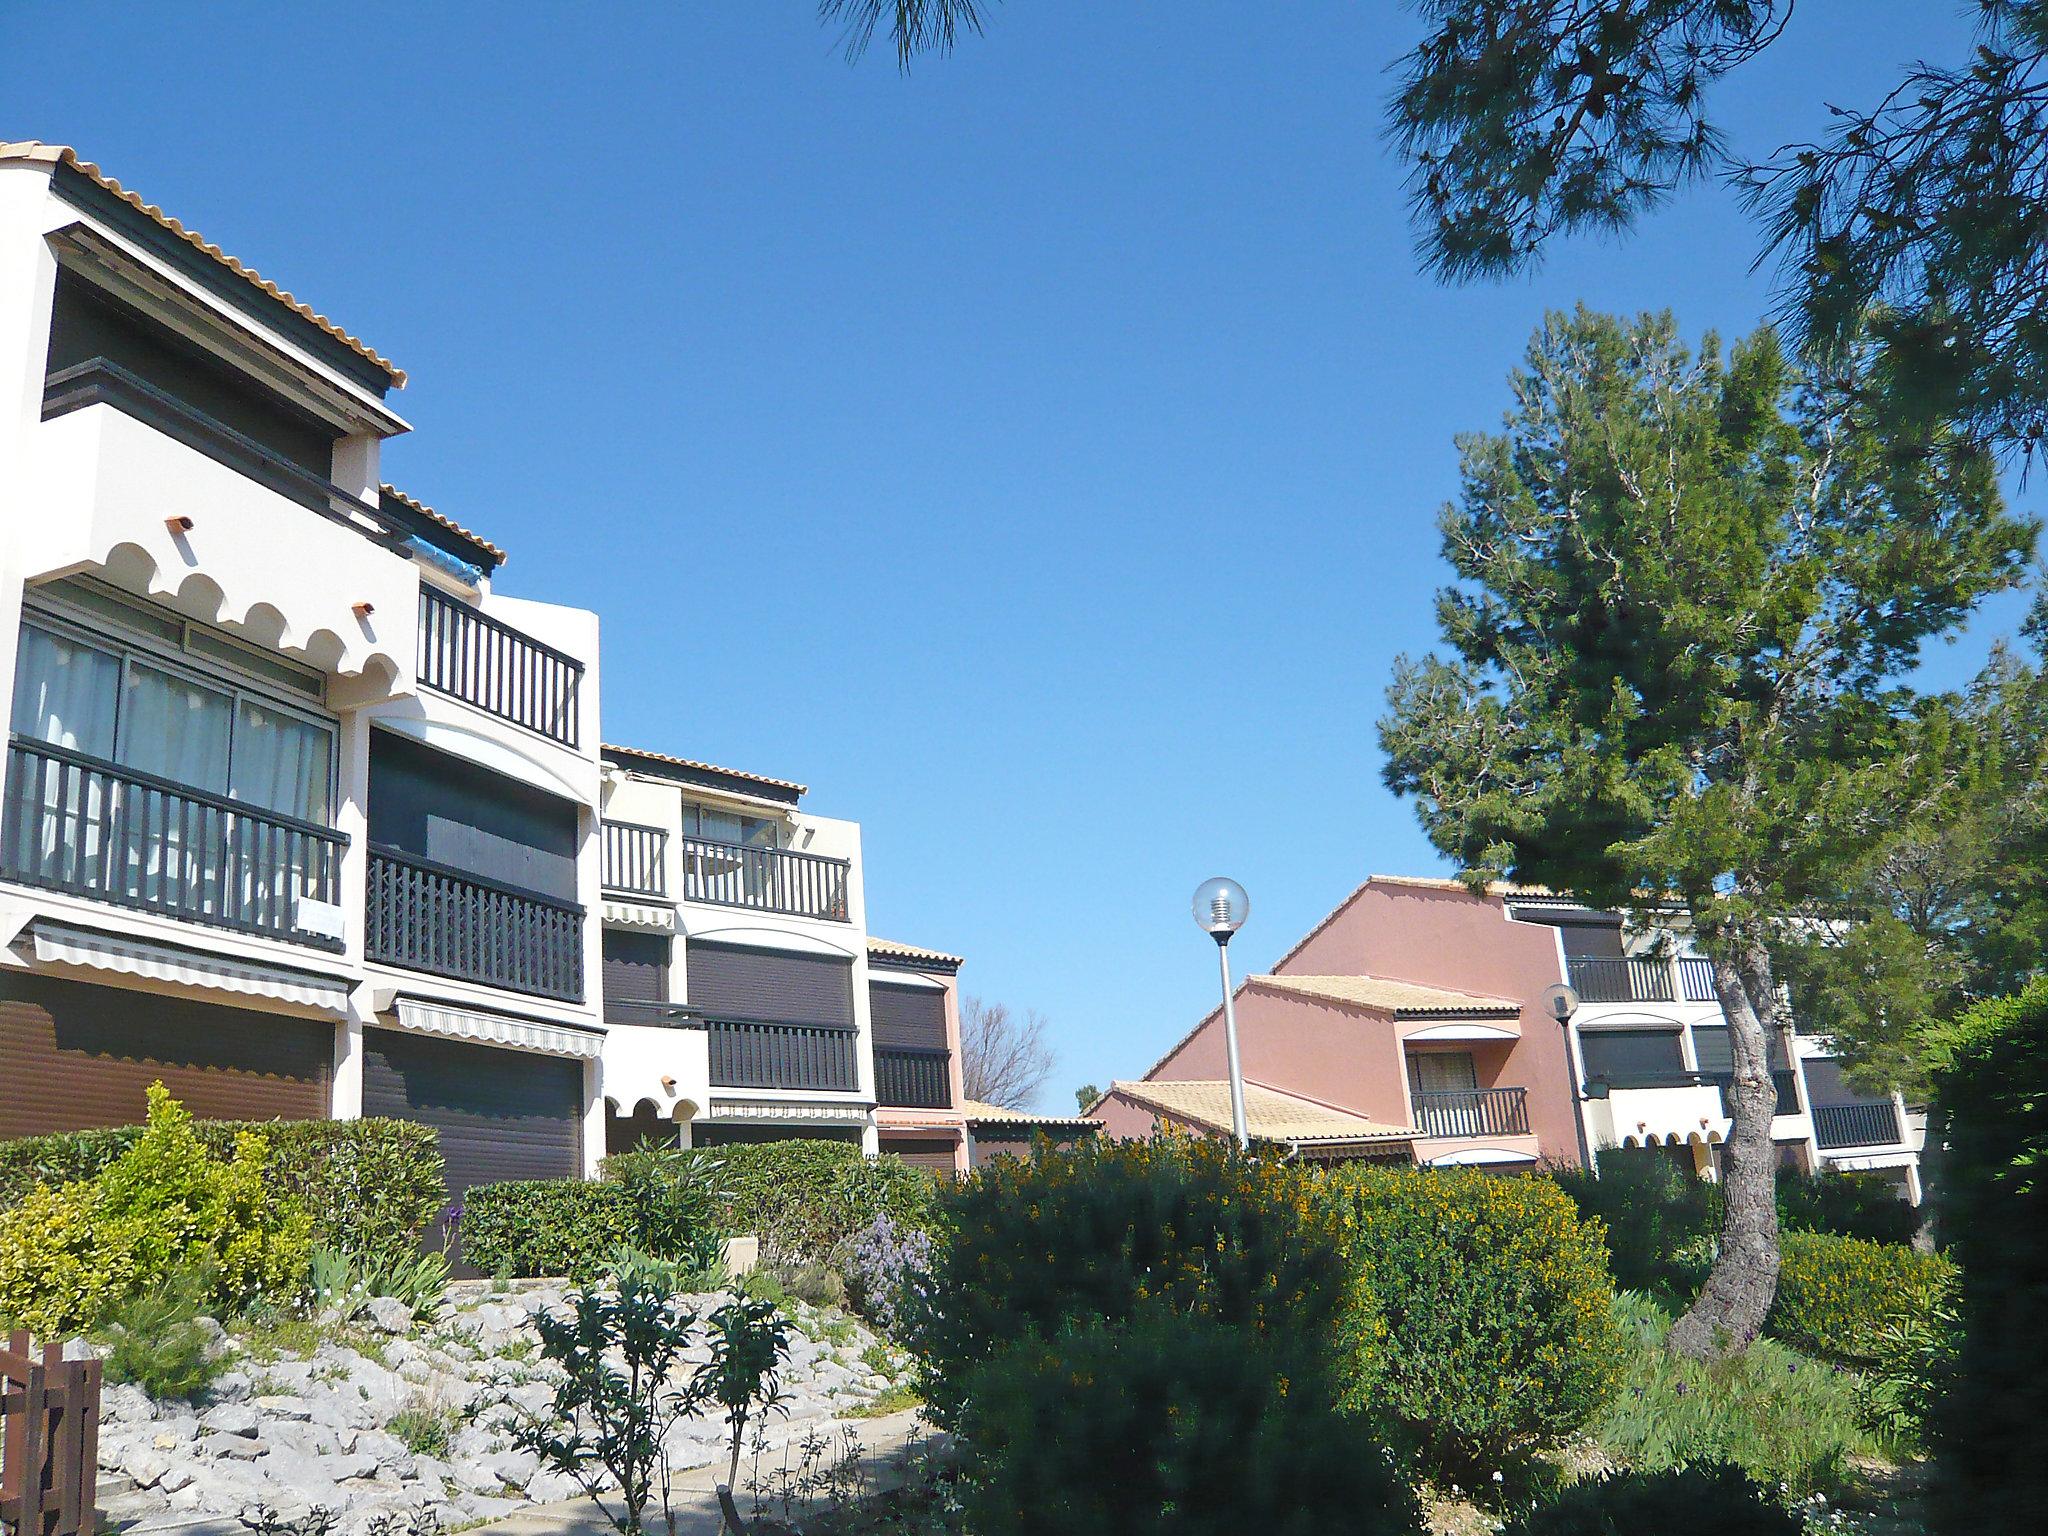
(1788, 1421)
(889, 1400)
(423, 1427)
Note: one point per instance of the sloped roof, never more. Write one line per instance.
(36, 152)
(697, 767)
(996, 1114)
(441, 519)
(1270, 1114)
(1403, 999)
(889, 949)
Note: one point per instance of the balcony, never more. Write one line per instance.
(1721, 1083)
(139, 488)
(911, 1079)
(749, 1054)
(635, 859)
(765, 879)
(89, 828)
(468, 655)
(1472, 1112)
(1619, 981)
(1872, 1124)
(425, 916)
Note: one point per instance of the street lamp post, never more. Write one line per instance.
(1561, 1001)
(1221, 907)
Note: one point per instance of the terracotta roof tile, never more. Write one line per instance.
(1401, 998)
(34, 151)
(1270, 1114)
(444, 520)
(731, 773)
(996, 1114)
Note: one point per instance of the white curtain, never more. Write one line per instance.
(179, 731)
(281, 762)
(66, 693)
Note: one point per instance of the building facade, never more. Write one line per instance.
(301, 816)
(1410, 1025)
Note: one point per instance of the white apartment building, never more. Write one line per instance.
(1651, 1060)
(302, 817)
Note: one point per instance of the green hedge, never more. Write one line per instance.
(1989, 1098)
(806, 1200)
(1500, 1329)
(1685, 1501)
(532, 1227)
(1835, 1294)
(370, 1186)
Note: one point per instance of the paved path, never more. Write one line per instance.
(693, 1496)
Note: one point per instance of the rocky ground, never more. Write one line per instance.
(387, 1422)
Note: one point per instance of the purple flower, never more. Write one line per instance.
(1681, 1389)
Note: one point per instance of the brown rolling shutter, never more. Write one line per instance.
(933, 1154)
(907, 1016)
(769, 985)
(75, 1055)
(501, 1114)
(635, 967)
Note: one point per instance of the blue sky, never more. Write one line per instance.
(1038, 456)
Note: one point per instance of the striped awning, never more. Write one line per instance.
(640, 914)
(788, 1112)
(63, 944)
(503, 1029)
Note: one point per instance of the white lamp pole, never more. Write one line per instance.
(1221, 907)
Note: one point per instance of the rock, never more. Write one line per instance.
(389, 1313)
(236, 1448)
(514, 1469)
(167, 1442)
(175, 1478)
(553, 1488)
(145, 1468)
(122, 1402)
(231, 1418)
(230, 1387)
(279, 1407)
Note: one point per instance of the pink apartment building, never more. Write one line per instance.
(1406, 1026)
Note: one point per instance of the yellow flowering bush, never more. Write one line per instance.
(1836, 1295)
(1106, 1230)
(1500, 1329)
(70, 1254)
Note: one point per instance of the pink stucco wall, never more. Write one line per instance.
(1321, 1051)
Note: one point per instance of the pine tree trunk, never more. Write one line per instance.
(1729, 1312)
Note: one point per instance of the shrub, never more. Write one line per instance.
(890, 1274)
(1913, 1363)
(1651, 1212)
(552, 1227)
(1989, 1085)
(68, 1255)
(420, 1280)
(1166, 1423)
(1836, 1293)
(1847, 1204)
(1500, 1314)
(672, 1197)
(806, 1200)
(154, 1340)
(1782, 1418)
(370, 1187)
(1680, 1501)
(1094, 1232)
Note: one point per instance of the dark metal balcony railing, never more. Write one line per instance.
(749, 1054)
(1875, 1124)
(1696, 980)
(1619, 981)
(99, 381)
(635, 859)
(1781, 1080)
(471, 656)
(428, 917)
(764, 879)
(1472, 1112)
(78, 824)
(912, 1079)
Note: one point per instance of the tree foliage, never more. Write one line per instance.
(914, 26)
(1689, 589)
(1914, 229)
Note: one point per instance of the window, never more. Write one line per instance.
(730, 827)
(1443, 1072)
(1641, 1057)
(122, 704)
